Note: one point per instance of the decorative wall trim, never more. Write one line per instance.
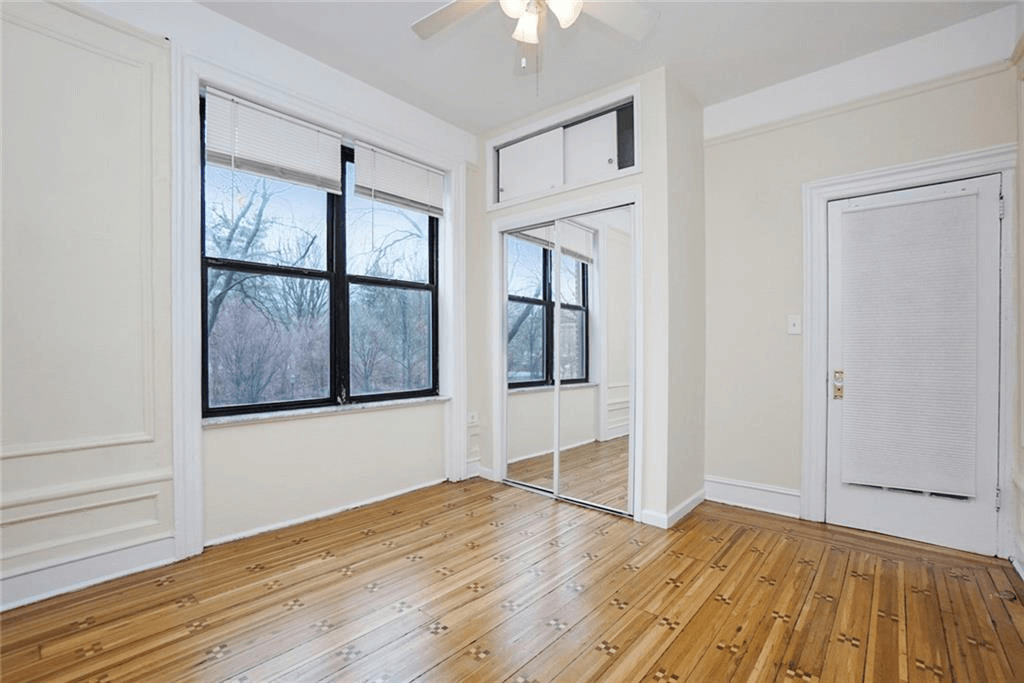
(46, 494)
(958, 52)
(675, 514)
(65, 445)
(320, 515)
(31, 585)
(91, 505)
(748, 494)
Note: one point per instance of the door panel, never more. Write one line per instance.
(913, 357)
(530, 166)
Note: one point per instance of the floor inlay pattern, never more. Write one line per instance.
(478, 581)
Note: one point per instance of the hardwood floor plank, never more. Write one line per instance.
(767, 646)
(927, 651)
(479, 581)
(732, 634)
(805, 654)
(845, 656)
(886, 644)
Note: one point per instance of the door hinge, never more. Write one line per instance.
(999, 499)
(1002, 206)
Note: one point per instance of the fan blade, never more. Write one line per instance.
(628, 17)
(445, 16)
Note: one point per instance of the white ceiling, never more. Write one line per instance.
(465, 75)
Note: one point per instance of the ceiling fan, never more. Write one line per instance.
(629, 17)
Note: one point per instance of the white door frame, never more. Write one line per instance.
(499, 393)
(816, 196)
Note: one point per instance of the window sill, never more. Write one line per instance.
(303, 413)
(550, 387)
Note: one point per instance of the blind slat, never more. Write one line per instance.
(247, 136)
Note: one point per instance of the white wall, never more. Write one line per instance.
(266, 474)
(755, 251)
(86, 465)
(686, 395)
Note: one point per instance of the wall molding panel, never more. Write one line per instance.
(88, 480)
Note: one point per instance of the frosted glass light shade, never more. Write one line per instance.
(513, 8)
(567, 11)
(526, 29)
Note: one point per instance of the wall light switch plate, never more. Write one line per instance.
(793, 324)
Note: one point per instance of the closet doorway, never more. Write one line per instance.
(568, 338)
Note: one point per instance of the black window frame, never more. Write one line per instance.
(548, 303)
(338, 280)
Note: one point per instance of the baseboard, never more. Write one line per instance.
(318, 515)
(663, 521)
(1017, 558)
(46, 582)
(748, 494)
(475, 469)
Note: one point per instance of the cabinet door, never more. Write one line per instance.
(530, 166)
(591, 150)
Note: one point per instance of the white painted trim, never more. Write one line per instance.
(816, 195)
(675, 514)
(452, 321)
(46, 494)
(749, 494)
(553, 121)
(547, 214)
(1007, 517)
(978, 42)
(1015, 562)
(186, 304)
(475, 469)
(45, 582)
(227, 538)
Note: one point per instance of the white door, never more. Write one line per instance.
(914, 363)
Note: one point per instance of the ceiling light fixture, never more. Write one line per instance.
(528, 13)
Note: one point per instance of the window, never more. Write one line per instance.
(319, 289)
(530, 314)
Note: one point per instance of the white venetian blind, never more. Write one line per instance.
(390, 178)
(252, 138)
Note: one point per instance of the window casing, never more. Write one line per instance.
(530, 316)
(283, 319)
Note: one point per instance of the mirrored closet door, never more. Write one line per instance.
(569, 349)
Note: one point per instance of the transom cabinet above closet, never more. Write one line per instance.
(592, 147)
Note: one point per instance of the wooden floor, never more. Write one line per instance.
(483, 582)
(596, 472)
